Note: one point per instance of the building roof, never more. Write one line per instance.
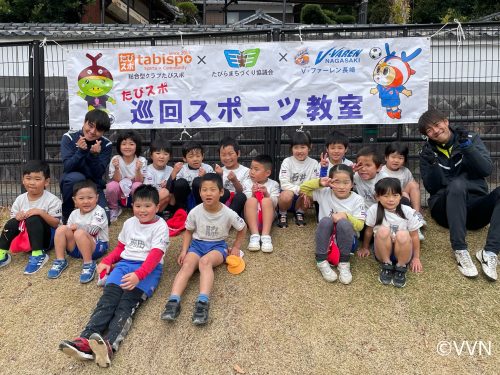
(258, 15)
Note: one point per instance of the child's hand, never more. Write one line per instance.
(201, 172)
(416, 265)
(115, 162)
(96, 147)
(101, 267)
(356, 167)
(232, 177)
(218, 169)
(33, 212)
(338, 216)
(263, 190)
(234, 251)
(255, 187)
(323, 161)
(163, 184)
(73, 227)
(81, 143)
(325, 181)
(138, 165)
(180, 258)
(129, 281)
(21, 215)
(363, 252)
(306, 200)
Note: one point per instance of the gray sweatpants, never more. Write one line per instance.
(344, 236)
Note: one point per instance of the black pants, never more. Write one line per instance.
(38, 232)
(238, 202)
(458, 210)
(181, 190)
(113, 313)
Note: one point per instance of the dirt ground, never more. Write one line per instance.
(277, 317)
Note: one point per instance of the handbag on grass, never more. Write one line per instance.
(333, 256)
(21, 243)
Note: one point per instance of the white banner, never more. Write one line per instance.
(363, 81)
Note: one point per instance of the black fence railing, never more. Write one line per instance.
(34, 98)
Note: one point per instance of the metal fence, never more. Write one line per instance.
(34, 98)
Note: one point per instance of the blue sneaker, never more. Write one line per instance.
(57, 268)
(35, 263)
(5, 260)
(88, 272)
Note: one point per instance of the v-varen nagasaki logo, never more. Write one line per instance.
(339, 56)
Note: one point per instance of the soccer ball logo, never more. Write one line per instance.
(375, 53)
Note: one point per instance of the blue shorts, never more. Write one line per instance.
(202, 248)
(100, 249)
(294, 202)
(148, 285)
(393, 258)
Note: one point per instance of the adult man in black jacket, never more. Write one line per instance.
(454, 164)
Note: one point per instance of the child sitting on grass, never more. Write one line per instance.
(85, 235)
(204, 247)
(260, 208)
(158, 173)
(138, 265)
(41, 212)
(394, 227)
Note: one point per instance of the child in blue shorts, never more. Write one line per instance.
(395, 228)
(204, 247)
(85, 234)
(138, 265)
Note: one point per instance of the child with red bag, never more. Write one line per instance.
(341, 212)
(38, 213)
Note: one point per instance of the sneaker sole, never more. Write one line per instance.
(198, 322)
(480, 259)
(74, 353)
(7, 262)
(268, 250)
(381, 282)
(253, 248)
(58, 275)
(468, 276)
(170, 318)
(39, 268)
(100, 351)
(89, 280)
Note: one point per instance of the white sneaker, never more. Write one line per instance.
(254, 242)
(489, 264)
(465, 265)
(345, 276)
(114, 213)
(421, 236)
(327, 272)
(267, 244)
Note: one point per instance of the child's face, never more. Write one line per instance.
(194, 158)
(389, 200)
(160, 159)
(394, 161)
(300, 152)
(258, 173)
(229, 157)
(35, 183)
(145, 210)
(85, 199)
(367, 169)
(90, 132)
(341, 184)
(336, 152)
(128, 147)
(210, 193)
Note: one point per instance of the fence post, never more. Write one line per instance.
(37, 88)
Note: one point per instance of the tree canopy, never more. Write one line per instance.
(43, 11)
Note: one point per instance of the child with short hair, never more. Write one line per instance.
(233, 174)
(158, 173)
(126, 171)
(85, 234)
(336, 144)
(394, 227)
(368, 172)
(294, 171)
(260, 208)
(186, 176)
(204, 247)
(341, 211)
(41, 212)
(138, 265)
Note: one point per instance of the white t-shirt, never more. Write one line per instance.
(190, 174)
(411, 223)
(242, 174)
(47, 202)
(140, 238)
(127, 170)
(366, 188)
(213, 226)
(294, 172)
(90, 221)
(273, 188)
(330, 204)
(156, 176)
(403, 174)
